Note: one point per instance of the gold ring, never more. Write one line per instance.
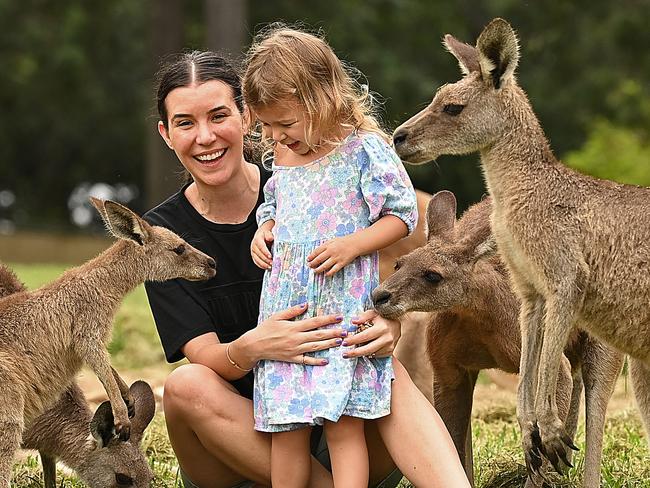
(365, 326)
(303, 358)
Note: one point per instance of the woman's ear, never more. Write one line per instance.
(162, 130)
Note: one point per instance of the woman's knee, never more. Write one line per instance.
(195, 387)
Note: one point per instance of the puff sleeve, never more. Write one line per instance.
(266, 211)
(385, 184)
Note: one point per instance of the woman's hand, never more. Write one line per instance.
(262, 240)
(282, 339)
(379, 340)
(333, 255)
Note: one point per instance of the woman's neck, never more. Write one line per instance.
(230, 203)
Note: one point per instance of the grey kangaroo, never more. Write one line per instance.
(104, 460)
(48, 333)
(461, 282)
(62, 431)
(577, 248)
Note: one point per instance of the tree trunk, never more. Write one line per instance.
(162, 167)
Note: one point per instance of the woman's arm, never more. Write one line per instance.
(336, 253)
(278, 338)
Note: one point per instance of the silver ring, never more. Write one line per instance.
(372, 355)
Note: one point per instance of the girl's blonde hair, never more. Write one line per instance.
(288, 62)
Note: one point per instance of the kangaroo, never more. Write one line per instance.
(576, 247)
(462, 284)
(62, 431)
(48, 333)
(105, 459)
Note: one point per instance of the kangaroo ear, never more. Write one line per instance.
(124, 223)
(441, 215)
(99, 205)
(102, 425)
(485, 249)
(466, 55)
(498, 52)
(145, 407)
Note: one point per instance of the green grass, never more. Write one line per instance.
(498, 460)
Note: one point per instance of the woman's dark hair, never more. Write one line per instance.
(199, 67)
(195, 67)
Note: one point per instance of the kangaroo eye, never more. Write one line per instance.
(179, 250)
(432, 277)
(397, 265)
(123, 480)
(453, 109)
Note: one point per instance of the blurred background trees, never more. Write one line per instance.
(77, 101)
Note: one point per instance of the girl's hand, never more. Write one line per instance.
(260, 253)
(281, 339)
(333, 255)
(379, 340)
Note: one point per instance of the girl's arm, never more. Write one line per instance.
(260, 245)
(334, 254)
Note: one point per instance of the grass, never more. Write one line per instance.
(498, 460)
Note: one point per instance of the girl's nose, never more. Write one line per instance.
(278, 135)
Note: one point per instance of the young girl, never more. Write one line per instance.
(338, 194)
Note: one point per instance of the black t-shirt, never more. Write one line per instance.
(227, 304)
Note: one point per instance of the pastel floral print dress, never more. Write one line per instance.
(358, 182)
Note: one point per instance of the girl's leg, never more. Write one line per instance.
(210, 427)
(290, 458)
(348, 453)
(433, 460)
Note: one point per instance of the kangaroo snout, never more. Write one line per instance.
(380, 297)
(399, 137)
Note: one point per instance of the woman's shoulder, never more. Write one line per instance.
(168, 212)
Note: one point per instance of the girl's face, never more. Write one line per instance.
(286, 122)
(206, 131)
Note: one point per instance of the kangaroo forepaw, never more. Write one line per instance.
(130, 406)
(531, 445)
(554, 443)
(123, 430)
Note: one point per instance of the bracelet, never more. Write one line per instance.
(233, 363)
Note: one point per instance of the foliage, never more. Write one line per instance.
(77, 94)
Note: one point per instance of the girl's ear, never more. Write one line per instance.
(162, 130)
(247, 119)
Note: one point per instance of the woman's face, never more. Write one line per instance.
(206, 130)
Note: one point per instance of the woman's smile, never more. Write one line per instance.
(211, 158)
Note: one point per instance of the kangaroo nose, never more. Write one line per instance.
(212, 263)
(380, 297)
(399, 137)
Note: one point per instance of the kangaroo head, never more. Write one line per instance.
(167, 255)
(441, 274)
(115, 463)
(468, 115)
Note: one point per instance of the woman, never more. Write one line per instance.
(207, 403)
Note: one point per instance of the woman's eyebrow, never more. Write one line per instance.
(211, 111)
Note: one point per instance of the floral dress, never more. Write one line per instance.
(348, 189)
